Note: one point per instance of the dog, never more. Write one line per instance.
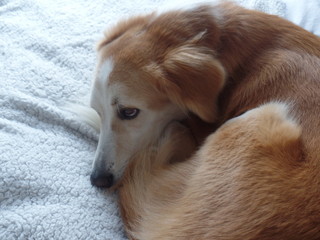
(252, 82)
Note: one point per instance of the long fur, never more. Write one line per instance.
(257, 175)
(246, 182)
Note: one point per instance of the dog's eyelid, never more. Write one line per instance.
(127, 106)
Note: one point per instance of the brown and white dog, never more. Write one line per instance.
(258, 175)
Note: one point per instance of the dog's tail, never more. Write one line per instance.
(85, 114)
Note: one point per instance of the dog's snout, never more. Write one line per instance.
(101, 180)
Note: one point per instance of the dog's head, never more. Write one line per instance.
(152, 70)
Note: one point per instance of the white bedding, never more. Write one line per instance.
(47, 59)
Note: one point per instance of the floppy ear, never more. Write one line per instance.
(192, 78)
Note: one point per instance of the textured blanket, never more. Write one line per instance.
(47, 58)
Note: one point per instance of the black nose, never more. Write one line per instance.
(101, 180)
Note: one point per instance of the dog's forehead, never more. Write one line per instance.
(112, 78)
(127, 83)
(114, 69)
(105, 68)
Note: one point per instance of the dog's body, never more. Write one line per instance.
(257, 177)
(248, 181)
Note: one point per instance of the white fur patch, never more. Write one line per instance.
(98, 91)
(104, 71)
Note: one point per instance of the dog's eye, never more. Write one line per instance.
(128, 113)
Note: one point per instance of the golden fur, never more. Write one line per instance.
(248, 181)
(258, 175)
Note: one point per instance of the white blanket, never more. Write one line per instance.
(47, 58)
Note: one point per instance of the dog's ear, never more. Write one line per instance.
(192, 78)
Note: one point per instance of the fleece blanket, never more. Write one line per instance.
(47, 59)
